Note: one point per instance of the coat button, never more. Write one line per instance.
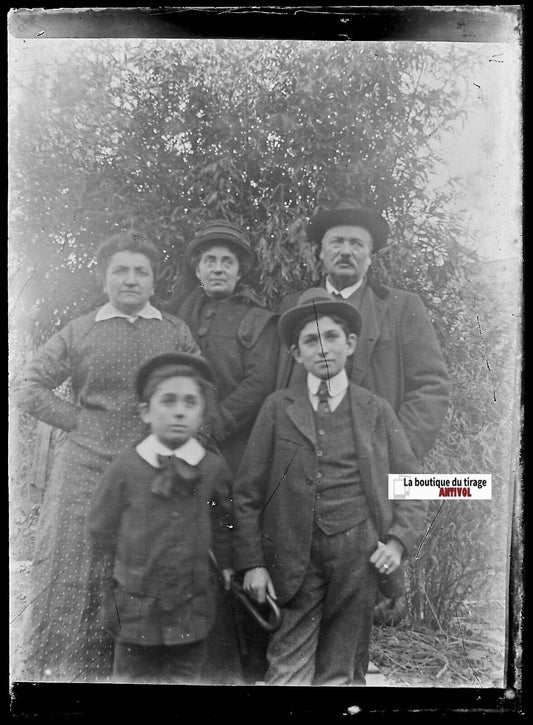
(319, 475)
(320, 453)
(321, 432)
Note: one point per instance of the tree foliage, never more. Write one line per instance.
(162, 137)
(260, 133)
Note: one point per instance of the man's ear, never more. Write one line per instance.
(351, 341)
(295, 352)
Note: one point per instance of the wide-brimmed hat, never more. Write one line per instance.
(317, 301)
(349, 212)
(165, 359)
(225, 233)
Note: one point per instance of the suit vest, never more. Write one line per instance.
(340, 502)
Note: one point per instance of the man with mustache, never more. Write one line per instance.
(398, 356)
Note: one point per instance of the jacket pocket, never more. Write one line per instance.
(121, 607)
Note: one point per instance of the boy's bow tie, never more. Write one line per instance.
(175, 475)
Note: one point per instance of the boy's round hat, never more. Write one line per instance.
(199, 364)
(222, 232)
(317, 301)
(349, 212)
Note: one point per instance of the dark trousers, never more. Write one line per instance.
(178, 664)
(253, 643)
(325, 634)
(222, 665)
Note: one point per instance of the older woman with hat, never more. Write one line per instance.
(98, 353)
(236, 334)
(398, 355)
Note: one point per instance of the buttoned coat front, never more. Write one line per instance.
(238, 337)
(274, 494)
(160, 548)
(398, 357)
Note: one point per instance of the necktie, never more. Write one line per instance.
(323, 399)
(175, 476)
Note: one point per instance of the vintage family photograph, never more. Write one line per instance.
(249, 279)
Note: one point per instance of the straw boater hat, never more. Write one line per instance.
(317, 302)
(225, 233)
(349, 212)
(171, 359)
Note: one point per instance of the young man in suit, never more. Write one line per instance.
(313, 523)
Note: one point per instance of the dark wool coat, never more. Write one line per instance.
(238, 337)
(274, 494)
(398, 357)
(160, 546)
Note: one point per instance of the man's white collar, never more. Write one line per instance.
(107, 312)
(346, 292)
(191, 452)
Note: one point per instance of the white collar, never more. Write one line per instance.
(336, 385)
(191, 452)
(107, 312)
(346, 292)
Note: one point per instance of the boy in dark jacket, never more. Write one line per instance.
(313, 522)
(153, 513)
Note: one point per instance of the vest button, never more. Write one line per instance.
(319, 475)
(320, 453)
(321, 432)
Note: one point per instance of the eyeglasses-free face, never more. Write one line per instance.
(218, 271)
(346, 254)
(129, 281)
(175, 411)
(323, 347)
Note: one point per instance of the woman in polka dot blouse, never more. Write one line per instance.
(98, 352)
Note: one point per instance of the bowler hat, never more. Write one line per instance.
(349, 212)
(317, 301)
(225, 233)
(171, 358)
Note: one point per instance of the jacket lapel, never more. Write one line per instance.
(300, 412)
(372, 310)
(363, 421)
